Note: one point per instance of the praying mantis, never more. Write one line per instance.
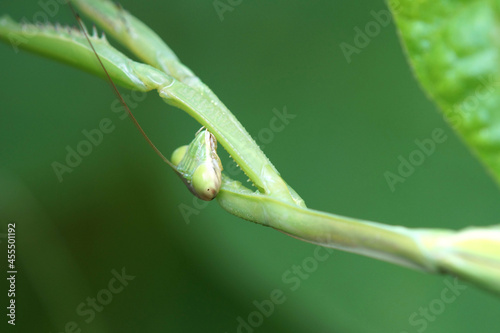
(473, 254)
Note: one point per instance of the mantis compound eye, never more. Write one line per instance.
(178, 155)
(206, 182)
(199, 165)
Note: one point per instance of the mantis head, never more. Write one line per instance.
(199, 165)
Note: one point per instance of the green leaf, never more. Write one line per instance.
(453, 47)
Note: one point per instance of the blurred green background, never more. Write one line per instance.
(120, 208)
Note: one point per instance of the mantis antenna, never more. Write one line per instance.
(115, 89)
(197, 164)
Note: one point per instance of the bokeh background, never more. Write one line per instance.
(120, 208)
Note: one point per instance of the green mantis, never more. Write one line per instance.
(473, 254)
(197, 164)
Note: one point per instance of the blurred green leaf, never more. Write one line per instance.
(453, 47)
